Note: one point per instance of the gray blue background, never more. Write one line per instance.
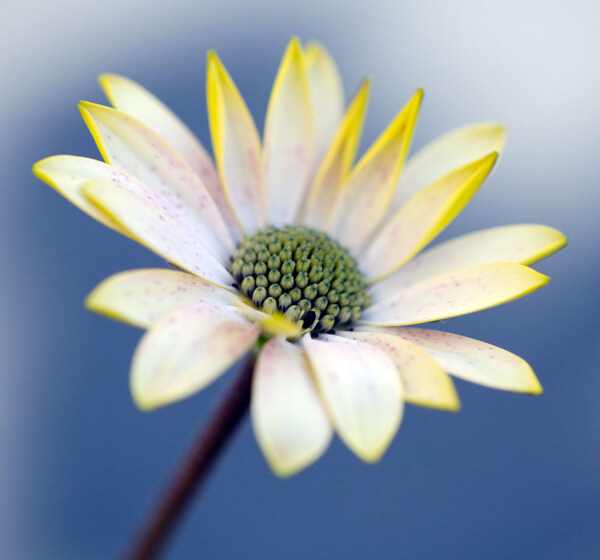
(510, 476)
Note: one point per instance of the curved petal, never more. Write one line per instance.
(520, 243)
(452, 150)
(236, 146)
(455, 293)
(186, 350)
(473, 360)
(334, 168)
(129, 145)
(288, 138)
(131, 98)
(424, 381)
(154, 227)
(142, 297)
(368, 191)
(361, 390)
(60, 172)
(327, 94)
(422, 218)
(289, 421)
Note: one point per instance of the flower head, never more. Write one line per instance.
(289, 249)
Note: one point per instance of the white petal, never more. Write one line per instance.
(368, 191)
(520, 243)
(131, 146)
(153, 225)
(142, 297)
(473, 360)
(288, 138)
(327, 93)
(455, 293)
(450, 151)
(131, 98)
(424, 381)
(187, 350)
(288, 418)
(361, 390)
(325, 188)
(236, 146)
(422, 218)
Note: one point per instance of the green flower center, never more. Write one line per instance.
(302, 273)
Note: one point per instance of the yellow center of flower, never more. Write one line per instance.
(302, 273)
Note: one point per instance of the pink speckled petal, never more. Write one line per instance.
(186, 350)
(452, 150)
(422, 218)
(142, 297)
(365, 196)
(455, 293)
(131, 146)
(68, 174)
(131, 98)
(236, 145)
(327, 93)
(148, 221)
(288, 138)
(520, 243)
(288, 418)
(424, 381)
(361, 390)
(473, 360)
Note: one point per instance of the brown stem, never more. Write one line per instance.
(195, 468)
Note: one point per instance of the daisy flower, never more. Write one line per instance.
(288, 251)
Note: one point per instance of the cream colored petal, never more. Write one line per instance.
(236, 145)
(473, 360)
(422, 218)
(186, 350)
(288, 139)
(361, 390)
(365, 196)
(154, 227)
(131, 146)
(455, 293)
(520, 243)
(327, 93)
(334, 168)
(131, 98)
(288, 418)
(424, 381)
(142, 297)
(450, 151)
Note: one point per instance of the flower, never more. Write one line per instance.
(288, 250)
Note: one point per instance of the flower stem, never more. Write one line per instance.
(195, 468)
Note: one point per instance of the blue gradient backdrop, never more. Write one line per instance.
(510, 476)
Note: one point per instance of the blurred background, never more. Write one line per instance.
(510, 476)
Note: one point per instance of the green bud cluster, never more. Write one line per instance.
(302, 273)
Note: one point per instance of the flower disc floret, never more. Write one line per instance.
(302, 273)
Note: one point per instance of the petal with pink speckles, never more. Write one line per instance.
(142, 297)
(129, 145)
(520, 243)
(424, 381)
(361, 391)
(473, 360)
(186, 350)
(288, 138)
(148, 221)
(455, 293)
(131, 98)
(288, 417)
